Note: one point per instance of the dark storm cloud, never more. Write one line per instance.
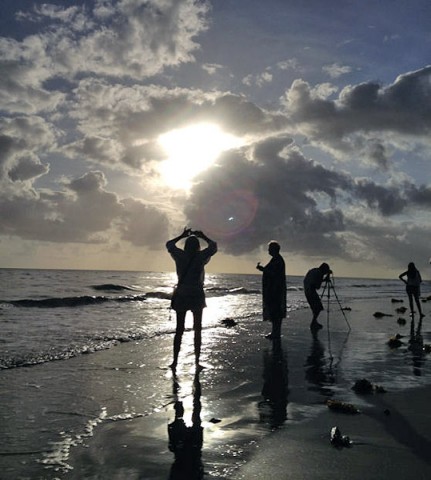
(421, 195)
(393, 199)
(389, 201)
(274, 192)
(273, 195)
(378, 155)
(27, 168)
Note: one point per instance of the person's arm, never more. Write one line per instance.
(401, 277)
(259, 267)
(170, 244)
(212, 245)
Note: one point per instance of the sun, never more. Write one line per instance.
(191, 150)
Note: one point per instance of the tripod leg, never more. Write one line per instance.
(341, 308)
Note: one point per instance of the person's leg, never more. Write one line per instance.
(181, 318)
(418, 303)
(276, 328)
(410, 295)
(197, 326)
(315, 325)
(316, 306)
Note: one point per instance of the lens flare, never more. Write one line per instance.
(227, 214)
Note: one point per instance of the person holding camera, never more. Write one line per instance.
(274, 290)
(312, 282)
(189, 293)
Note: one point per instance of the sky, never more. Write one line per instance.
(305, 122)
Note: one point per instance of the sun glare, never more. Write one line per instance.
(191, 150)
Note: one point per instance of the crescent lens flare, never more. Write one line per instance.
(227, 214)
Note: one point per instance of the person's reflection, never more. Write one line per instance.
(416, 346)
(186, 441)
(272, 409)
(315, 368)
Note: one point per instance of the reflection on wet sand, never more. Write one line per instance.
(416, 347)
(317, 372)
(272, 409)
(186, 441)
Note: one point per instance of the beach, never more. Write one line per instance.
(257, 410)
(278, 438)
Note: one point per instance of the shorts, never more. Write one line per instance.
(187, 298)
(413, 290)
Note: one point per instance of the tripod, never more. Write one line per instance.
(329, 285)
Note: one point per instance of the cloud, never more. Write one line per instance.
(289, 64)
(389, 201)
(120, 124)
(378, 154)
(335, 70)
(402, 107)
(127, 38)
(22, 142)
(25, 67)
(83, 88)
(388, 242)
(144, 225)
(368, 121)
(212, 68)
(258, 80)
(272, 191)
(84, 211)
(246, 202)
(27, 168)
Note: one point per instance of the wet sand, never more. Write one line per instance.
(393, 446)
(258, 408)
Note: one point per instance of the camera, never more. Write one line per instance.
(327, 277)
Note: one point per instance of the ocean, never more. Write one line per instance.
(48, 318)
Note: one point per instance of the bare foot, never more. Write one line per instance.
(315, 326)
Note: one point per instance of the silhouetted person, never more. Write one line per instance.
(189, 293)
(312, 282)
(413, 287)
(186, 441)
(274, 289)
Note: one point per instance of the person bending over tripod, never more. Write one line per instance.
(312, 282)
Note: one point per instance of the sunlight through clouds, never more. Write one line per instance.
(191, 150)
